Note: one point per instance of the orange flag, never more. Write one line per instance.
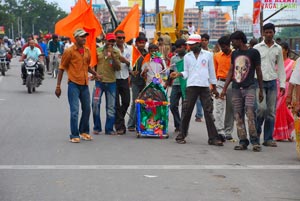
(136, 54)
(146, 58)
(81, 16)
(131, 24)
(227, 17)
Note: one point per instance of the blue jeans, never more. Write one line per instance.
(266, 110)
(110, 98)
(75, 93)
(199, 113)
(174, 102)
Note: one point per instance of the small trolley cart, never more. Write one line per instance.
(152, 108)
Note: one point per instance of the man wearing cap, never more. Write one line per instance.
(108, 63)
(200, 74)
(137, 82)
(122, 75)
(75, 61)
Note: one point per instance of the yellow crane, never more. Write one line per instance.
(171, 21)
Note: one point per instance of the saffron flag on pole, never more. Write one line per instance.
(257, 5)
(81, 16)
(136, 54)
(131, 23)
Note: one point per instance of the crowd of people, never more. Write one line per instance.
(238, 82)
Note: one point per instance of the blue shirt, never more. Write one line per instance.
(32, 53)
(44, 48)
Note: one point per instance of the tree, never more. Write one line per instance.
(289, 32)
(33, 15)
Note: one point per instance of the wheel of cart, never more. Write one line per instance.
(152, 108)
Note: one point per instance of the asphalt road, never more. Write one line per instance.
(38, 163)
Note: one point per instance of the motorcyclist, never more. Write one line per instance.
(8, 44)
(54, 50)
(31, 52)
(3, 46)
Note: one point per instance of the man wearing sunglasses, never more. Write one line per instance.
(108, 63)
(122, 75)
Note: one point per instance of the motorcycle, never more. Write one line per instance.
(3, 67)
(33, 79)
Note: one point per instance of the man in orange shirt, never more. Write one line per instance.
(75, 61)
(222, 61)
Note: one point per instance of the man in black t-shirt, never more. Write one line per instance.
(244, 63)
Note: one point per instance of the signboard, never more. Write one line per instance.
(2, 30)
(131, 3)
(278, 4)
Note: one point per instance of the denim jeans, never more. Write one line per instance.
(110, 98)
(75, 93)
(243, 101)
(136, 89)
(223, 111)
(199, 112)
(266, 110)
(174, 103)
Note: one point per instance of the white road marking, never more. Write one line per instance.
(149, 167)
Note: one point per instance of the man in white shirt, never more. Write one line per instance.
(122, 90)
(200, 74)
(271, 59)
(191, 28)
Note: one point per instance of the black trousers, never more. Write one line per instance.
(122, 103)
(192, 94)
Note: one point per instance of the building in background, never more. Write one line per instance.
(244, 23)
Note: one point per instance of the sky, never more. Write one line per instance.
(246, 6)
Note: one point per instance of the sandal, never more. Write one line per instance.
(96, 132)
(111, 133)
(240, 147)
(131, 129)
(215, 142)
(85, 137)
(180, 141)
(121, 132)
(270, 144)
(256, 148)
(75, 140)
(291, 139)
